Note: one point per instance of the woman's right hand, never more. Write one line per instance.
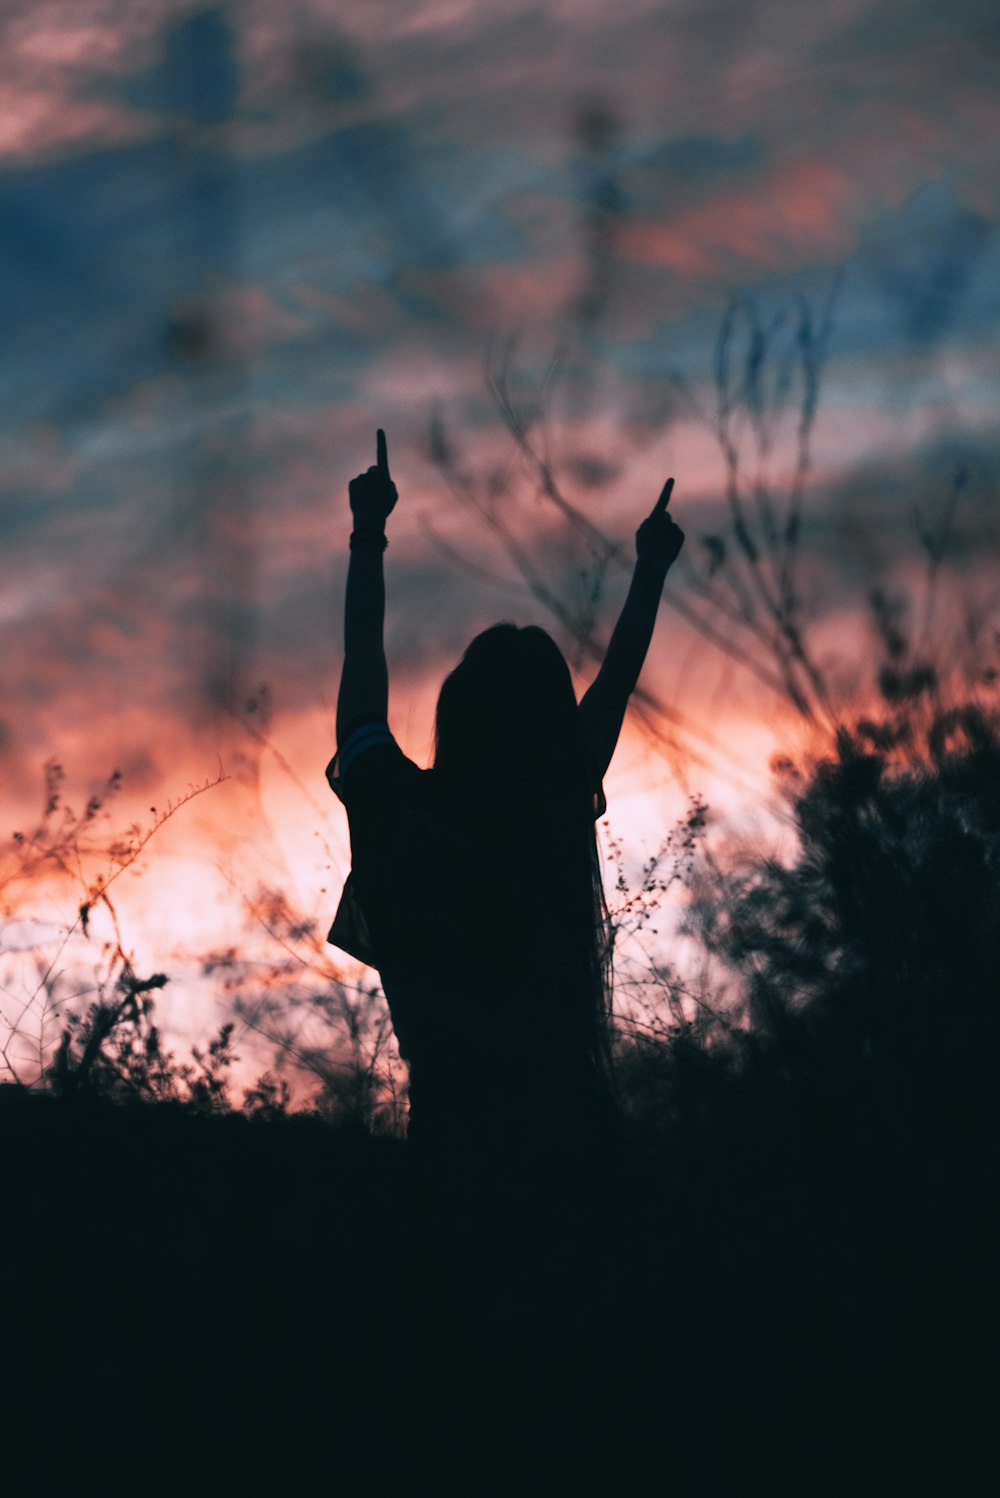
(373, 494)
(658, 539)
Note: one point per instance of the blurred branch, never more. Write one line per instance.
(661, 721)
(65, 841)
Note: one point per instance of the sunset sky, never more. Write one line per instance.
(235, 240)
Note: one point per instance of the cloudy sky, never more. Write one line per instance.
(235, 240)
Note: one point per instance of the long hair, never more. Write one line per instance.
(517, 779)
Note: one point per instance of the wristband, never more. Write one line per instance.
(368, 535)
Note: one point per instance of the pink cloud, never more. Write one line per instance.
(50, 55)
(69, 46)
(39, 457)
(36, 122)
(366, 308)
(488, 297)
(805, 209)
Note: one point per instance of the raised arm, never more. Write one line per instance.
(602, 708)
(364, 680)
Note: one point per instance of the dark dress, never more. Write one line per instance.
(420, 907)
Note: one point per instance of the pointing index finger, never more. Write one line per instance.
(381, 451)
(664, 499)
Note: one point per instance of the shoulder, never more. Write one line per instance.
(368, 754)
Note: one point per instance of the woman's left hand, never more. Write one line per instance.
(373, 494)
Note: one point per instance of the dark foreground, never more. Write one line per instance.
(224, 1305)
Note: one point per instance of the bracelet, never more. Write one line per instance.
(368, 535)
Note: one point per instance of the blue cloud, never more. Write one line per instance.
(196, 77)
(100, 246)
(699, 158)
(926, 261)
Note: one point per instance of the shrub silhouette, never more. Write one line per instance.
(830, 1146)
(878, 944)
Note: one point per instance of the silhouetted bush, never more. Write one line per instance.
(822, 1154)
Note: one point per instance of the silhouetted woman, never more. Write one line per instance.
(475, 886)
